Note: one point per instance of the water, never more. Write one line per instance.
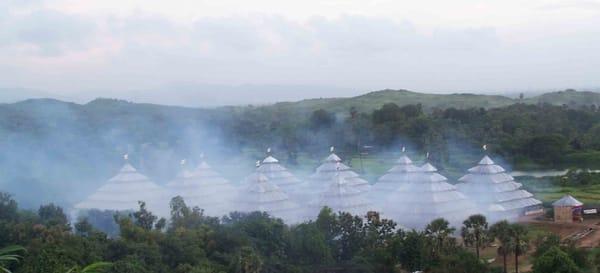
(543, 173)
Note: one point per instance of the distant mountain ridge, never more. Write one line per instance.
(375, 99)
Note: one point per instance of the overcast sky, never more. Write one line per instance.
(340, 47)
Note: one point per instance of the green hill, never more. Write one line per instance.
(568, 97)
(374, 100)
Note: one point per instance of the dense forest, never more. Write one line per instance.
(44, 241)
(47, 145)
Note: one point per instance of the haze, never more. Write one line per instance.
(202, 53)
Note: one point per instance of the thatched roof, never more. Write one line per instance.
(123, 191)
(205, 188)
(494, 190)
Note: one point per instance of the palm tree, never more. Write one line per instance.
(518, 234)
(9, 254)
(475, 232)
(438, 230)
(98, 267)
(501, 232)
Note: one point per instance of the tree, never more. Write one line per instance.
(519, 235)
(321, 119)
(8, 207)
(438, 232)
(501, 232)
(10, 254)
(554, 261)
(410, 250)
(475, 232)
(247, 261)
(52, 215)
(144, 218)
(308, 245)
(98, 267)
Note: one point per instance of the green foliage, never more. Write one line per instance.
(554, 260)
(321, 119)
(144, 218)
(475, 232)
(53, 215)
(98, 267)
(8, 255)
(8, 207)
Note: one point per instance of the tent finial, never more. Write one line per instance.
(126, 157)
(427, 155)
(403, 149)
(331, 149)
(484, 147)
(182, 162)
(258, 163)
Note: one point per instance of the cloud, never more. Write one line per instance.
(46, 32)
(139, 51)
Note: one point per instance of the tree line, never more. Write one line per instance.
(543, 134)
(190, 242)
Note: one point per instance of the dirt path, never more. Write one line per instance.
(568, 230)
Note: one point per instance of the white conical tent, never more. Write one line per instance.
(425, 197)
(262, 195)
(205, 188)
(281, 177)
(402, 172)
(124, 190)
(495, 191)
(332, 166)
(342, 196)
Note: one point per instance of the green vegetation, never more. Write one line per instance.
(255, 242)
(52, 145)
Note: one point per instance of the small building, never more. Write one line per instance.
(567, 210)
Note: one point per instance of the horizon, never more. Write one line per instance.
(190, 98)
(141, 50)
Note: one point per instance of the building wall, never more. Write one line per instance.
(563, 214)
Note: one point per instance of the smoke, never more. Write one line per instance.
(59, 152)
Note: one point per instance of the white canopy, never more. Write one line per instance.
(403, 172)
(280, 176)
(205, 188)
(332, 165)
(342, 196)
(425, 197)
(262, 195)
(124, 190)
(494, 190)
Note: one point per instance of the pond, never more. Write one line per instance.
(543, 173)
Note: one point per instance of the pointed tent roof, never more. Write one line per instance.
(262, 195)
(493, 189)
(342, 196)
(279, 175)
(401, 172)
(203, 187)
(123, 191)
(425, 197)
(332, 164)
(567, 201)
